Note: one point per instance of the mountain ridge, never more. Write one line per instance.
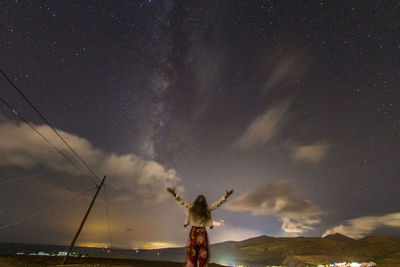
(303, 251)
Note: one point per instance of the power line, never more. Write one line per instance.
(45, 209)
(24, 178)
(48, 123)
(54, 147)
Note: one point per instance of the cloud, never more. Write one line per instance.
(207, 63)
(263, 127)
(135, 193)
(362, 226)
(282, 69)
(20, 146)
(286, 72)
(281, 200)
(313, 153)
(218, 223)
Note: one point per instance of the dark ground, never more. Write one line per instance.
(35, 261)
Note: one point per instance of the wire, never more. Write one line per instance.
(45, 209)
(55, 148)
(108, 216)
(48, 123)
(25, 178)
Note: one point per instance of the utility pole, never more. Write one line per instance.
(83, 222)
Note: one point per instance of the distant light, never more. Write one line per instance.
(62, 253)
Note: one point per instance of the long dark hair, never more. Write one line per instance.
(200, 206)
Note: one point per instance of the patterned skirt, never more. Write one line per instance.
(197, 249)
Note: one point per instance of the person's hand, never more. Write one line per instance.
(171, 190)
(228, 193)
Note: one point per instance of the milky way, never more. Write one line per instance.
(293, 102)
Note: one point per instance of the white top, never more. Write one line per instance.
(194, 219)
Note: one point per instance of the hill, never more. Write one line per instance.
(303, 251)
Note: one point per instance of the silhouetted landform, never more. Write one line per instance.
(303, 251)
(265, 250)
(306, 251)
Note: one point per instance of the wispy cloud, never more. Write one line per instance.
(280, 72)
(312, 153)
(287, 71)
(264, 126)
(281, 200)
(20, 146)
(210, 62)
(362, 226)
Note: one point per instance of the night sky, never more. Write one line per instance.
(293, 104)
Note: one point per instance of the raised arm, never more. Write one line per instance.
(220, 201)
(178, 197)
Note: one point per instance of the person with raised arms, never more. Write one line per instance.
(199, 217)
